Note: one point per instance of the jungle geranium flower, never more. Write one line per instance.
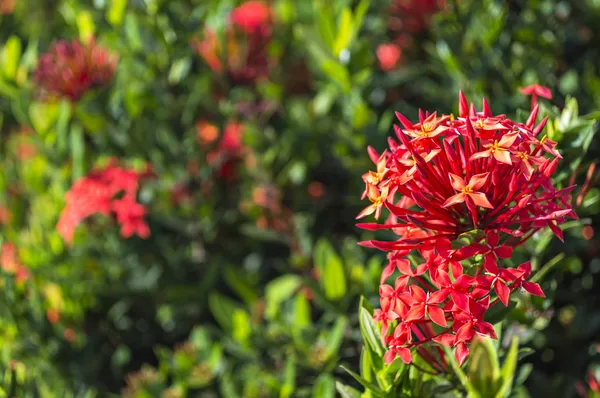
(388, 56)
(243, 54)
(96, 193)
(411, 17)
(71, 69)
(229, 150)
(535, 90)
(252, 16)
(469, 190)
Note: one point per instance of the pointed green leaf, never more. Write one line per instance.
(346, 391)
(116, 12)
(324, 386)
(77, 151)
(370, 332)
(11, 54)
(509, 368)
(334, 278)
(302, 315)
(336, 336)
(344, 33)
(222, 309)
(277, 291)
(375, 390)
(289, 384)
(85, 25)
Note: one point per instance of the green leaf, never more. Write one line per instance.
(289, 384)
(241, 326)
(370, 332)
(324, 386)
(484, 369)
(222, 309)
(334, 278)
(237, 282)
(62, 125)
(336, 336)
(85, 25)
(462, 377)
(42, 116)
(337, 73)
(77, 151)
(344, 33)
(302, 316)
(508, 369)
(116, 12)
(11, 54)
(359, 15)
(375, 390)
(346, 391)
(179, 70)
(325, 24)
(277, 291)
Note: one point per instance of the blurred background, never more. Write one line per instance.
(236, 135)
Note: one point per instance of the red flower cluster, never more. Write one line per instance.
(71, 69)
(480, 178)
(10, 262)
(409, 17)
(243, 56)
(108, 191)
(228, 151)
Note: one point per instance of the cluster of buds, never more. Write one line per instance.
(243, 56)
(478, 178)
(69, 70)
(227, 151)
(9, 260)
(407, 18)
(111, 190)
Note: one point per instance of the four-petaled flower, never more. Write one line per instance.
(469, 191)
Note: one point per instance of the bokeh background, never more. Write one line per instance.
(243, 127)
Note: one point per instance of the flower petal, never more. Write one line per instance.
(480, 200)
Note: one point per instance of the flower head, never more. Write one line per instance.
(535, 90)
(388, 56)
(71, 69)
(252, 16)
(96, 193)
(243, 54)
(461, 193)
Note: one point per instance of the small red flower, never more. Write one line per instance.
(96, 193)
(71, 69)
(243, 55)
(535, 90)
(252, 16)
(229, 151)
(388, 56)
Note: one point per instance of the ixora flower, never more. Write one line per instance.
(460, 194)
(243, 54)
(228, 151)
(535, 90)
(388, 56)
(410, 17)
(111, 190)
(71, 69)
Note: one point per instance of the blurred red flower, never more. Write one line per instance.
(95, 193)
(71, 69)
(243, 55)
(252, 16)
(388, 56)
(535, 90)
